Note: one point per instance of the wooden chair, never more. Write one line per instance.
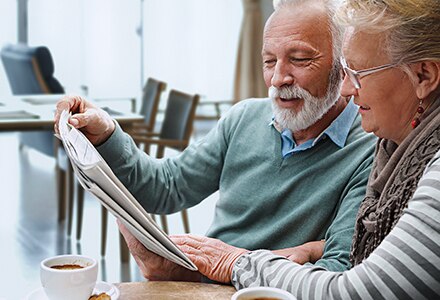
(150, 102)
(175, 133)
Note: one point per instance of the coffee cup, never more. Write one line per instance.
(262, 293)
(68, 277)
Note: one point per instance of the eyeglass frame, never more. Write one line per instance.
(355, 76)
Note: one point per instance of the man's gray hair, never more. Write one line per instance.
(336, 30)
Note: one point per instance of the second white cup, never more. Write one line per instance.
(262, 293)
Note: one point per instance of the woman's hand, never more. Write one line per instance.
(95, 123)
(155, 267)
(308, 252)
(213, 258)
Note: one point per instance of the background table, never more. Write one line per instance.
(43, 108)
(174, 290)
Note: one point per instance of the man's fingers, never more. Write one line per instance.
(121, 227)
(132, 242)
(191, 250)
(81, 120)
(201, 262)
(64, 104)
(78, 121)
(70, 104)
(136, 248)
(190, 240)
(124, 231)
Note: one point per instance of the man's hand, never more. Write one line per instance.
(95, 123)
(213, 258)
(155, 267)
(308, 252)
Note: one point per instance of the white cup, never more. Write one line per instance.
(262, 292)
(72, 284)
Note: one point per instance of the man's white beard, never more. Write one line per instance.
(313, 108)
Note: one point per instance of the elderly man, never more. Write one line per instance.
(290, 169)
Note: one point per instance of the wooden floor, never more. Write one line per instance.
(29, 231)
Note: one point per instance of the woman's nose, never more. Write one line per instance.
(348, 89)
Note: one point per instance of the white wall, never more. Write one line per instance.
(193, 44)
(189, 44)
(93, 43)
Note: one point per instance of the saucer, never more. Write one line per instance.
(100, 287)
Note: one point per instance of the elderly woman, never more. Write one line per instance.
(392, 66)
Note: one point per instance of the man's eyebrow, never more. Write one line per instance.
(266, 52)
(301, 50)
(293, 50)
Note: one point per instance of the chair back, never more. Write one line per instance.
(150, 101)
(179, 117)
(30, 70)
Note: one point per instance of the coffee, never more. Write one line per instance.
(67, 267)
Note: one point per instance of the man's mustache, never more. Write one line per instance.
(288, 92)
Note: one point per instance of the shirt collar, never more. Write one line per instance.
(337, 131)
(340, 127)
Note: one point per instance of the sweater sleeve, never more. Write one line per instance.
(404, 266)
(338, 237)
(171, 184)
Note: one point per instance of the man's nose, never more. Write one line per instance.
(282, 75)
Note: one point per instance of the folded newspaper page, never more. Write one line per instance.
(95, 176)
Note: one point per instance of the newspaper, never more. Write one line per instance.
(95, 176)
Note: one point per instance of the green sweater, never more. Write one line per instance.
(265, 201)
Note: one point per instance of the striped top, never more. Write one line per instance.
(406, 265)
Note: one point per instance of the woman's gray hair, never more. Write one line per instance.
(411, 27)
(336, 29)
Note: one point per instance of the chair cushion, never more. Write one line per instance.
(19, 61)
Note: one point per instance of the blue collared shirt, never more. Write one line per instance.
(337, 132)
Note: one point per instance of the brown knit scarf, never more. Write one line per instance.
(393, 180)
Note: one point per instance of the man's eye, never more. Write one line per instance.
(269, 62)
(298, 59)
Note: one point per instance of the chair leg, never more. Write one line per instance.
(104, 222)
(184, 214)
(79, 210)
(160, 151)
(147, 148)
(164, 222)
(61, 189)
(123, 248)
(70, 180)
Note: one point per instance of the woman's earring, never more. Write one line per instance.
(420, 110)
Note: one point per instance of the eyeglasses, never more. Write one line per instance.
(355, 76)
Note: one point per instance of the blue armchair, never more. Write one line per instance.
(30, 71)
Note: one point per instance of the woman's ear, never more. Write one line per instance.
(427, 77)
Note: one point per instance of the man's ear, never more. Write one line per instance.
(427, 77)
